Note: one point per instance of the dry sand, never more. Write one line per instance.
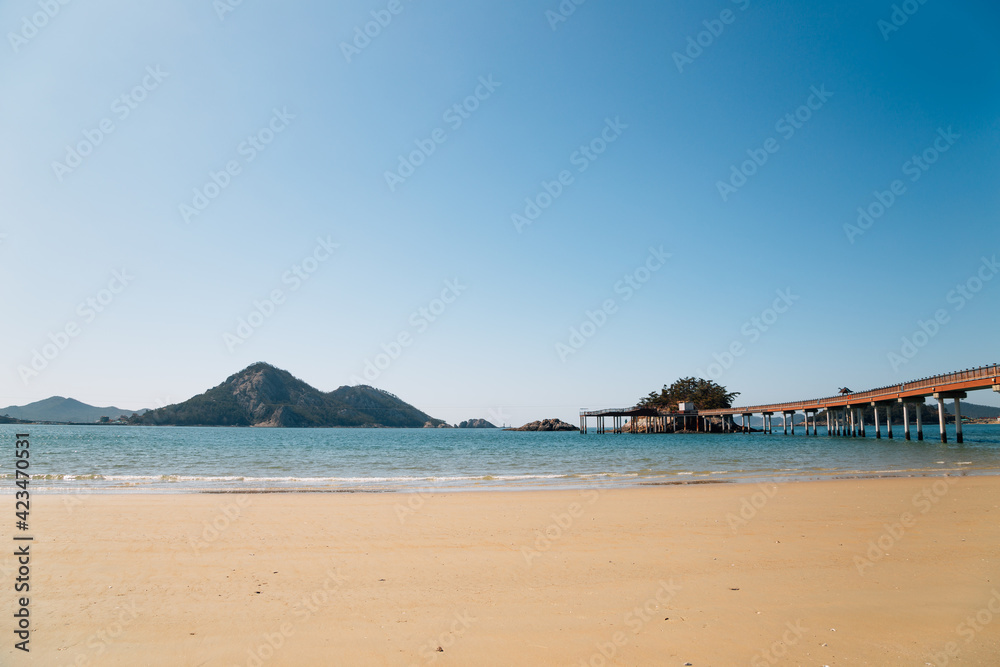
(669, 575)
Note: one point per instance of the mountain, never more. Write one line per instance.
(973, 411)
(59, 409)
(262, 395)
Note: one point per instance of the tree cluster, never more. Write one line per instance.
(705, 394)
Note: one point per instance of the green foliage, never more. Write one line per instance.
(705, 394)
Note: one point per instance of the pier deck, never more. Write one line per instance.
(844, 415)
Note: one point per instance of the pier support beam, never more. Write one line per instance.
(958, 420)
(944, 433)
(888, 417)
(828, 431)
(861, 422)
(920, 423)
(957, 395)
(906, 420)
(784, 423)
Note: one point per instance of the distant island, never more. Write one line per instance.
(476, 423)
(11, 420)
(546, 425)
(59, 409)
(262, 395)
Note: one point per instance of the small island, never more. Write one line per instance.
(546, 425)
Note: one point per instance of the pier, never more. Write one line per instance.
(844, 414)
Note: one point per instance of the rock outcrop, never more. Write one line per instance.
(476, 423)
(547, 425)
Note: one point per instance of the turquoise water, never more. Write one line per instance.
(172, 459)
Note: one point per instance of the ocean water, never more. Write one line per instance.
(121, 459)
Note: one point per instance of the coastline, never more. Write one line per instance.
(834, 572)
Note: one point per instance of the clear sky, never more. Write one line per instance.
(527, 207)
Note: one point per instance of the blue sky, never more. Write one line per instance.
(696, 168)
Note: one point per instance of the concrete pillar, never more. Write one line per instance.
(920, 422)
(828, 431)
(906, 420)
(958, 420)
(888, 420)
(791, 418)
(944, 433)
(878, 428)
(784, 422)
(861, 422)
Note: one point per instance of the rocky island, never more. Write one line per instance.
(546, 425)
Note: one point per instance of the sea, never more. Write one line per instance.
(137, 459)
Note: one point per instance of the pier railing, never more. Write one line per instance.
(984, 376)
(972, 378)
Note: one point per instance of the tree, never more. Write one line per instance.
(705, 394)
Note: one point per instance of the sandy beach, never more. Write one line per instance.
(845, 572)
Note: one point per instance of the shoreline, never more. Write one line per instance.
(832, 572)
(495, 485)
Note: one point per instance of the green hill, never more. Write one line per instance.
(59, 409)
(262, 395)
(973, 411)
